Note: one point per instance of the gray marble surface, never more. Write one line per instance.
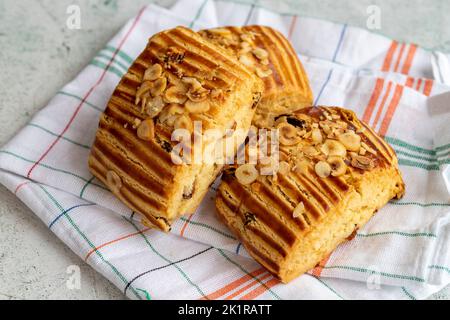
(38, 55)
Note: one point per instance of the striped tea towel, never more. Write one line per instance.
(402, 253)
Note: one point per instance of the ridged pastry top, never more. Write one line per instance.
(323, 153)
(179, 77)
(270, 55)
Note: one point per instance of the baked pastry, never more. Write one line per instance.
(334, 173)
(178, 79)
(270, 55)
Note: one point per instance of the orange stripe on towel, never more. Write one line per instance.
(409, 82)
(260, 290)
(243, 289)
(419, 83)
(114, 241)
(409, 59)
(317, 271)
(185, 224)
(373, 100)
(399, 58)
(389, 56)
(428, 87)
(233, 285)
(381, 107)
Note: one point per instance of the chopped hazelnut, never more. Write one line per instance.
(176, 94)
(158, 87)
(247, 61)
(246, 174)
(333, 148)
(338, 166)
(299, 210)
(262, 73)
(154, 106)
(146, 130)
(184, 122)
(152, 73)
(323, 169)
(350, 140)
(260, 53)
(197, 107)
(316, 136)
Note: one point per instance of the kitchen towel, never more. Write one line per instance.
(402, 253)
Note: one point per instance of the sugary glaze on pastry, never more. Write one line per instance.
(179, 78)
(334, 173)
(269, 55)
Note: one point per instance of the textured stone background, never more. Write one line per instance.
(38, 55)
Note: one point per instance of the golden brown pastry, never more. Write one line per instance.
(334, 173)
(179, 78)
(270, 55)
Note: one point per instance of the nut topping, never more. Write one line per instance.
(278, 120)
(333, 148)
(246, 61)
(173, 55)
(268, 166)
(338, 166)
(136, 122)
(262, 73)
(247, 37)
(310, 151)
(197, 107)
(170, 113)
(246, 174)
(154, 106)
(176, 94)
(245, 48)
(220, 32)
(316, 136)
(362, 162)
(158, 87)
(216, 93)
(362, 151)
(192, 82)
(262, 120)
(183, 122)
(143, 88)
(323, 169)
(301, 167)
(284, 168)
(368, 149)
(198, 94)
(299, 210)
(152, 73)
(245, 45)
(288, 134)
(260, 53)
(146, 130)
(325, 127)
